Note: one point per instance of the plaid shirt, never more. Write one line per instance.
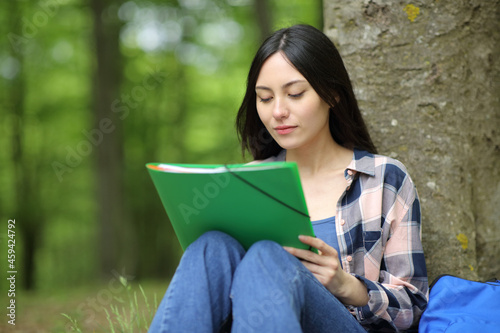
(379, 235)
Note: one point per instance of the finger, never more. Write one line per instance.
(299, 253)
(313, 267)
(317, 243)
(317, 271)
(305, 255)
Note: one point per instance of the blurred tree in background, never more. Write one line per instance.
(91, 91)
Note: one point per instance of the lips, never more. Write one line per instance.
(284, 129)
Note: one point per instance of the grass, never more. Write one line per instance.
(122, 307)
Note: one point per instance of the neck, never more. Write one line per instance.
(324, 155)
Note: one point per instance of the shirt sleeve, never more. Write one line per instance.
(398, 298)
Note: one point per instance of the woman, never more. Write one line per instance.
(369, 273)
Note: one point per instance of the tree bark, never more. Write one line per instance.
(427, 79)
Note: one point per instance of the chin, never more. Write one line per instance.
(288, 144)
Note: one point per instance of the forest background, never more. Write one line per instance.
(91, 91)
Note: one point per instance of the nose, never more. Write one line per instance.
(280, 110)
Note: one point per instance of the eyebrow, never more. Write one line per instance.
(286, 85)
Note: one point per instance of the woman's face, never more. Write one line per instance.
(289, 107)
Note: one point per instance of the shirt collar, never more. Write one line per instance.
(362, 161)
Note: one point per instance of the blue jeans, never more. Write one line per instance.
(264, 290)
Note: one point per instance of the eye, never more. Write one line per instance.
(265, 100)
(296, 95)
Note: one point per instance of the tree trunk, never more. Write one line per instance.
(427, 79)
(108, 141)
(264, 19)
(29, 222)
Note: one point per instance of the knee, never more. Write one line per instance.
(265, 263)
(266, 254)
(265, 247)
(214, 236)
(216, 243)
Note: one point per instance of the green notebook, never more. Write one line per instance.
(248, 202)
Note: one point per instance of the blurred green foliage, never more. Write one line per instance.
(184, 65)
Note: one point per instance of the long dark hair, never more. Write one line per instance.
(314, 55)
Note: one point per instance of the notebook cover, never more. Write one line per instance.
(249, 202)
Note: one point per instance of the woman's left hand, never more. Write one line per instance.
(327, 269)
(325, 266)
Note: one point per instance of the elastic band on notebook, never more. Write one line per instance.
(264, 192)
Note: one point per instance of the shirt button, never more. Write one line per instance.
(349, 258)
(342, 222)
